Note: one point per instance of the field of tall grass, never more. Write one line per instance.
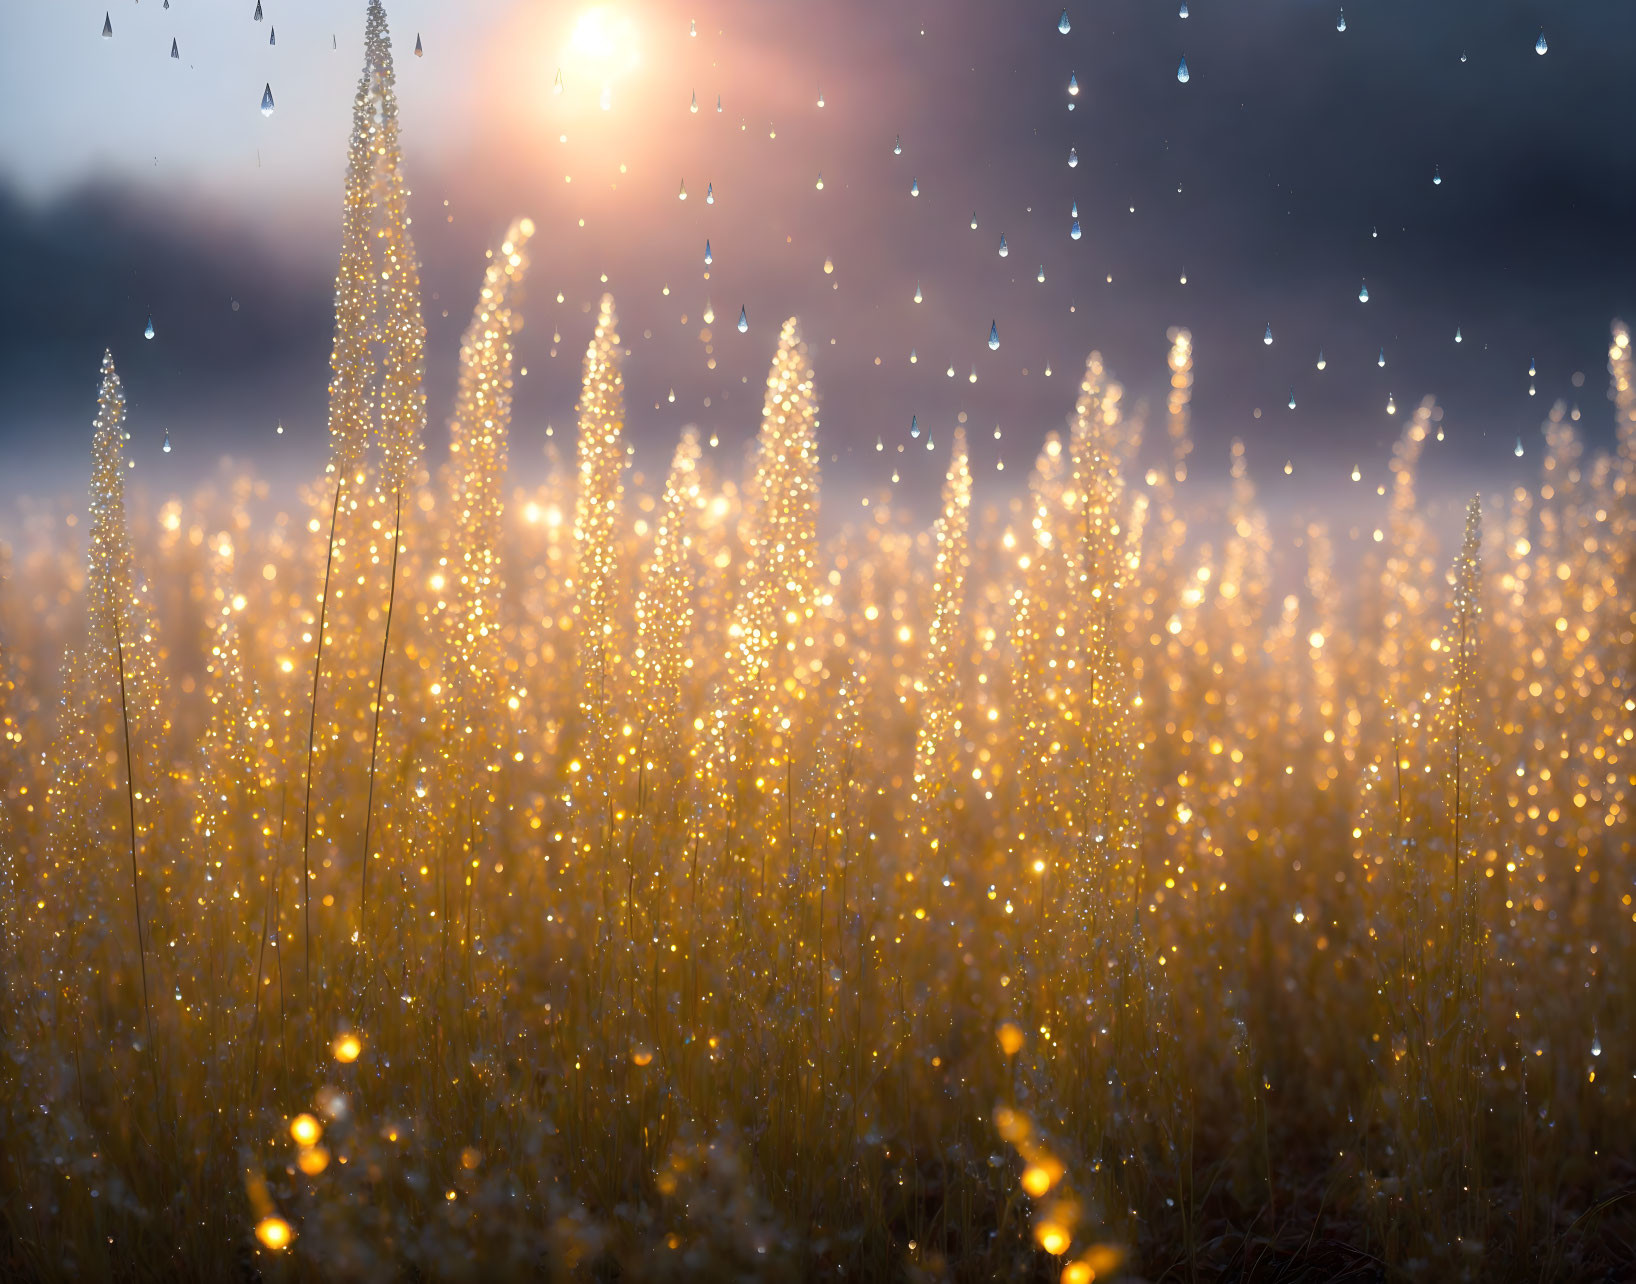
(613, 879)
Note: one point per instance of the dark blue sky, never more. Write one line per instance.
(132, 183)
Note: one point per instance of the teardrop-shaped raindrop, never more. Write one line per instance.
(820, 97)
(1340, 23)
(1073, 210)
(1391, 405)
(1363, 293)
(1063, 25)
(1321, 362)
(708, 257)
(272, 35)
(1267, 338)
(694, 105)
(709, 312)
(257, 14)
(1381, 359)
(974, 220)
(1531, 370)
(914, 425)
(1073, 84)
(917, 292)
(267, 100)
(1041, 277)
(1596, 1046)
(1292, 398)
(1518, 451)
(1540, 47)
(167, 441)
(692, 26)
(743, 320)
(681, 191)
(1003, 250)
(1073, 231)
(1437, 176)
(1531, 391)
(1182, 12)
(820, 184)
(147, 332)
(993, 336)
(1073, 157)
(913, 357)
(1182, 74)
(107, 25)
(914, 187)
(174, 52)
(897, 145)
(419, 52)
(709, 193)
(879, 444)
(1458, 337)
(1462, 55)
(718, 102)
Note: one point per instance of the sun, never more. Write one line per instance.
(602, 48)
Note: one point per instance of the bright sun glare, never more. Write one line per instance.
(602, 46)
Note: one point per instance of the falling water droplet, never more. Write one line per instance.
(1041, 276)
(107, 25)
(950, 370)
(1292, 398)
(280, 429)
(1357, 473)
(1073, 157)
(1458, 337)
(897, 145)
(174, 52)
(917, 292)
(1531, 370)
(1363, 294)
(1073, 84)
(267, 100)
(1340, 23)
(1003, 250)
(272, 35)
(913, 357)
(257, 14)
(694, 105)
(1531, 391)
(1391, 405)
(693, 26)
(709, 258)
(973, 376)
(914, 187)
(1267, 338)
(147, 332)
(1321, 362)
(167, 441)
(709, 193)
(1540, 47)
(914, 426)
(820, 97)
(1074, 230)
(718, 102)
(820, 183)
(1182, 12)
(1518, 451)
(556, 85)
(1063, 25)
(419, 52)
(993, 336)
(681, 192)
(1437, 176)
(974, 220)
(1462, 55)
(743, 321)
(709, 312)
(1596, 1046)
(1182, 74)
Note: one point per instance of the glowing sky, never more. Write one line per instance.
(131, 183)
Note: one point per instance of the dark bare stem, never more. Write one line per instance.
(136, 884)
(375, 735)
(312, 731)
